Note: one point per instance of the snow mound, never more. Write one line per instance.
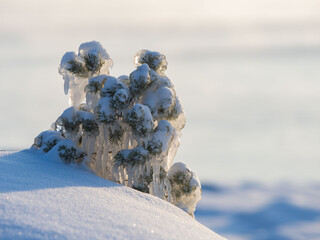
(42, 198)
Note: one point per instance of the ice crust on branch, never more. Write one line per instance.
(92, 60)
(125, 129)
(184, 187)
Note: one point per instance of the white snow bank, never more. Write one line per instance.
(42, 198)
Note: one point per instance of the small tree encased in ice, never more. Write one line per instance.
(126, 129)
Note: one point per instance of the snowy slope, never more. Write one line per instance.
(46, 199)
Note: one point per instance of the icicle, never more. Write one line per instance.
(106, 163)
(156, 177)
(130, 174)
(148, 167)
(136, 174)
(168, 189)
(91, 142)
(123, 175)
(99, 148)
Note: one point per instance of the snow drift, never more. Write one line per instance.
(42, 198)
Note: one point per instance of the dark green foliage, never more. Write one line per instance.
(131, 157)
(140, 120)
(38, 141)
(93, 62)
(105, 117)
(90, 126)
(116, 136)
(35, 144)
(180, 183)
(136, 115)
(120, 158)
(47, 140)
(141, 187)
(49, 145)
(137, 156)
(165, 112)
(139, 80)
(145, 180)
(64, 126)
(155, 146)
(164, 125)
(178, 178)
(69, 154)
(139, 130)
(173, 114)
(161, 138)
(110, 89)
(175, 111)
(182, 180)
(155, 60)
(138, 85)
(80, 141)
(77, 69)
(120, 100)
(93, 87)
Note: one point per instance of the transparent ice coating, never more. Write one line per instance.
(46, 140)
(126, 129)
(184, 187)
(93, 88)
(155, 60)
(140, 80)
(140, 120)
(76, 69)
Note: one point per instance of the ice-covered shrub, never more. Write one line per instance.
(126, 129)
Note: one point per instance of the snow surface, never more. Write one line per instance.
(42, 198)
(252, 211)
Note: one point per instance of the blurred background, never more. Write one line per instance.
(248, 75)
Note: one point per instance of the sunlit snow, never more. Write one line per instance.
(42, 198)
